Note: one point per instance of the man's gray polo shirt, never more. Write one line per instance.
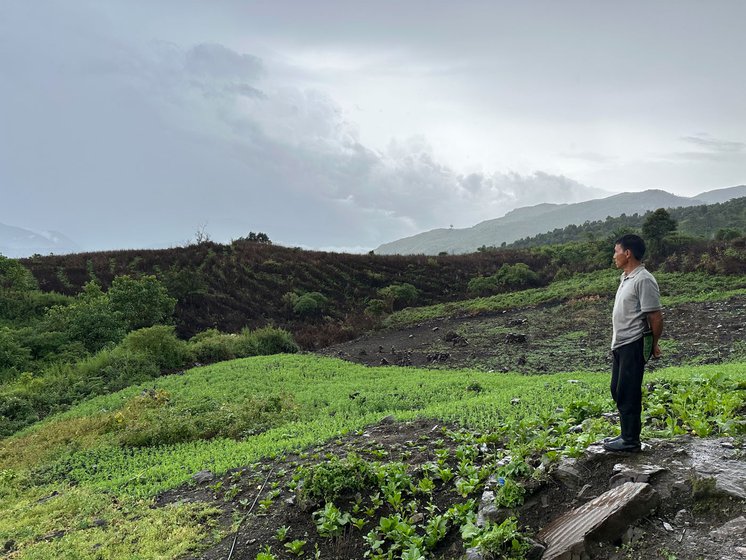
(636, 296)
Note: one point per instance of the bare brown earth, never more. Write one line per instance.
(551, 338)
(557, 338)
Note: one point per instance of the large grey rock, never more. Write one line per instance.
(734, 528)
(711, 460)
(605, 518)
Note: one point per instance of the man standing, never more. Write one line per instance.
(637, 309)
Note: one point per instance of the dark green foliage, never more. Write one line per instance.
(14, 357)
(115, 369)
(142, 302)
(483, 285)
(655, 228)
(311, 304)
(271, 340)
(90, 321)
(326, 482)
(212, 346)
(399, 295)
(516, 276)
(15, 277)
(160, 345)
(728, 234)
(15, 413)
(375, 308)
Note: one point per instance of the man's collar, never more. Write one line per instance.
(634, 272)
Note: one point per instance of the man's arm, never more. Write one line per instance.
(655, 320)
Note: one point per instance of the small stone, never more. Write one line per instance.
(384, 362)
(741, 550)
(411, 336)
(681, 517)
(203, 476)
(667, 527)
(390, 419)
(567, 473)
(474, 553)
(515, 401)
(416, 518)
(290, 501)
(436, 329)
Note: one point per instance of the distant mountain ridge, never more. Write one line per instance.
(532, 220)
(16, 242)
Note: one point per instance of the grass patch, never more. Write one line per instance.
(676, 288)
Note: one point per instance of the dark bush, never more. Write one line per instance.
(270, 340)
(212, 346)
(399, 296)
(14, 357)
(16, 412)
(160, 344)
(143, 302)
(312, 304)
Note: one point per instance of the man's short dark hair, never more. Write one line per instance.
(634, 243)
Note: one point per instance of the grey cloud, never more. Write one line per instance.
(714, 144)
(172, 138)
(215, 61)
(592, 157)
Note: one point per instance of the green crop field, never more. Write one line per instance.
(92, 472)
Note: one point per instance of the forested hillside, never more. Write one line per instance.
(726, 220)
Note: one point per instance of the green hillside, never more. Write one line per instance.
(719, 220)
(81, 484)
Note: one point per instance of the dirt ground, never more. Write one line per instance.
(551, 338)
(679, 529)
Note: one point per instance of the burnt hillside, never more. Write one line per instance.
(243, 283)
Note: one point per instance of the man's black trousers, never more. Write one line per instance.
(626, 387)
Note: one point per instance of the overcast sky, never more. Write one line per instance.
(343, 124)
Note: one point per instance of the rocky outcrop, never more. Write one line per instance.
(605, 518)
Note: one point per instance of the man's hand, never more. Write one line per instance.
(655, 320)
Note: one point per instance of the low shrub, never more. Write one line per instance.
(271, 340)
(113, 369)
(212, 346)
(161, 345)
(325, 482)
(312, 304)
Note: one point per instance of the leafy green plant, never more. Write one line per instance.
(295, 547)
(330, 521)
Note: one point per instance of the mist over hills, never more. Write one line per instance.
(532, 220)
(16, 242)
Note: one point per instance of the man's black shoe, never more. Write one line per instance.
(623, 446)
(610, 439)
